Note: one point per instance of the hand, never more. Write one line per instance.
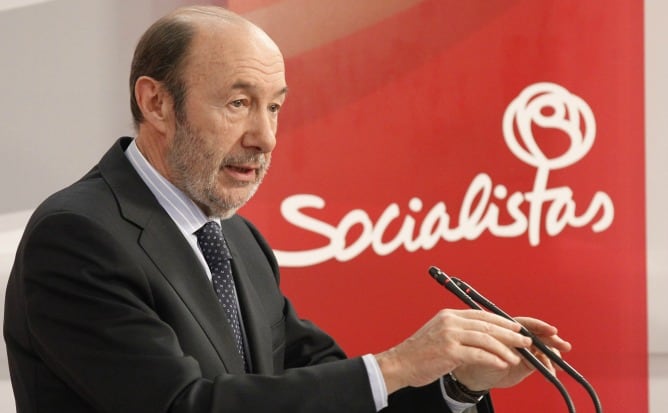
(480, 377)
(451, 339)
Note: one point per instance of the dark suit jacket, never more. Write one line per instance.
(109, 310)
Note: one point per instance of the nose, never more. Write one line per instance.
(261, 132)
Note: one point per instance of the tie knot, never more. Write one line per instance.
(211, 241)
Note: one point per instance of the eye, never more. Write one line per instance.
(274, 108)
(238, 103)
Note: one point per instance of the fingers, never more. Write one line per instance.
(545, 332)
(481, 343)
(450, 339)
(482, 376)
(487, 331)
(488, 318)
(491, 339)
(487, 349)
(537, 326)
(542, 358)
(548, 335)
(547, 363)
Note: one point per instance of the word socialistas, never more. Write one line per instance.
(479, 210)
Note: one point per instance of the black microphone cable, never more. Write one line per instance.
(570, 370)
(447, 282)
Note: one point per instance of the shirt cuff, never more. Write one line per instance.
(379, 390)
(454, 405)
(376, 380)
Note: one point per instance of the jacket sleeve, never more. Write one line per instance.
(426, 399)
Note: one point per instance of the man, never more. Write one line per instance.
(110, 305)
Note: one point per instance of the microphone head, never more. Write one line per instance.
(444, 279)
(438, 275)
(461, 284)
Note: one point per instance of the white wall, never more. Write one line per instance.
(62, 91)
(656, 109)
(63, 101)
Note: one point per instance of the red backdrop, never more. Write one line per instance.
(499, 140)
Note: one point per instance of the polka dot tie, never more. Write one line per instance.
(217, 255)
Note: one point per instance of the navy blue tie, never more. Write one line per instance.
(217, 255)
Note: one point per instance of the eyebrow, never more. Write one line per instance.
(249, 86)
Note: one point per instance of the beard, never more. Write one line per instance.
(196, 170)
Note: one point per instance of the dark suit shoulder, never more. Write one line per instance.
(110, 193)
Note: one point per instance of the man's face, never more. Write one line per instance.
(222, 142)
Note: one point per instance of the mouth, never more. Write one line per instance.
(241, 169)
(244, 173)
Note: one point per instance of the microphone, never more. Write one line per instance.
(451, 285)
(570, 370)
(446, 281)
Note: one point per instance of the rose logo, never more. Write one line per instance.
(548, 105)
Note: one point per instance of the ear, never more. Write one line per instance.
(155, 103)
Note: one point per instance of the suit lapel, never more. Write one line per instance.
(164, 243)
(170, 252)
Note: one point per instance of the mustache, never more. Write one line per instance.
(253, 158)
